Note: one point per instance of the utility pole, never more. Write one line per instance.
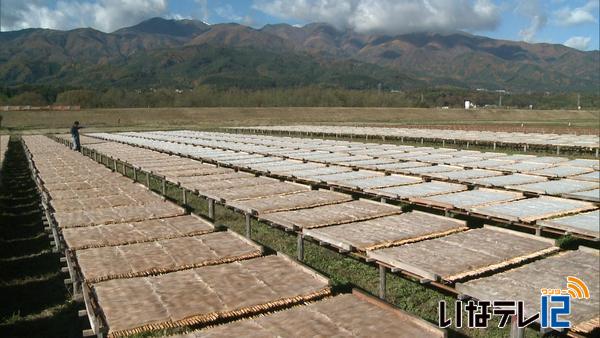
(500, 101)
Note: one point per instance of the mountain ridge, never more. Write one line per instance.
(460, 59)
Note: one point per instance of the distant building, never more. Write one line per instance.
(23, 108)
(468, 104)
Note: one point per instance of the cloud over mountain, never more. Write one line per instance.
(578, 42)
(105, 15)
(568, 16)
(389, 16)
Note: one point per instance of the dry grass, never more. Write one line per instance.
(206, 118)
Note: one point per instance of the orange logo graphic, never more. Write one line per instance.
(577, 288)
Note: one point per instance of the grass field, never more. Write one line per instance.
(207, 118)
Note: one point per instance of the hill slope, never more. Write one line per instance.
(160, 52)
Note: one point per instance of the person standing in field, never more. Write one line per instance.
(75, 135)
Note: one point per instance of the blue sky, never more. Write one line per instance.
(570, 22)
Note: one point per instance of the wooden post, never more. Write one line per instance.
(115, 164)
(164, 186)
(76, 284)
(467, 145)
(300, 247)
(538, 231)
(135, 178)
(382, 282)
(248, 226)
(515, 331)
(211, 208)
(184, 196)
(494, 145)
(148, 179)
(557, 150)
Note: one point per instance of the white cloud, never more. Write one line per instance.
(227, 12)
(204, 11)
(104, 15)
(537, 23)
(248, 21)
(536, 13)
(177, 16)
(389, 16)
(568, 16)
(578, 42)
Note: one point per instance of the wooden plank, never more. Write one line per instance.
(587, 223)
(386, 231)
(229, 183)
(256, 191)
(205, 295)
(162, 256)
(523, 283)
(331, 214)
(357, 313)
(556, 187)
(135, 232)
(465, 254)
(592, 177)
(532, 209)
(377, 182)
(587, 195)
(419, 190)
(120, 214)
(301, 200)
(468, 199)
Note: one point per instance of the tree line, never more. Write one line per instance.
(310, 96)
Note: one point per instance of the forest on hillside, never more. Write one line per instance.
(310, 96)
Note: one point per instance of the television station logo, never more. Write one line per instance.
(555, 305)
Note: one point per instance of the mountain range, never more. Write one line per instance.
(186, 53)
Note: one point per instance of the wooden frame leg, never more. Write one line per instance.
(382, 282)
(248, 226)
(300, 247)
